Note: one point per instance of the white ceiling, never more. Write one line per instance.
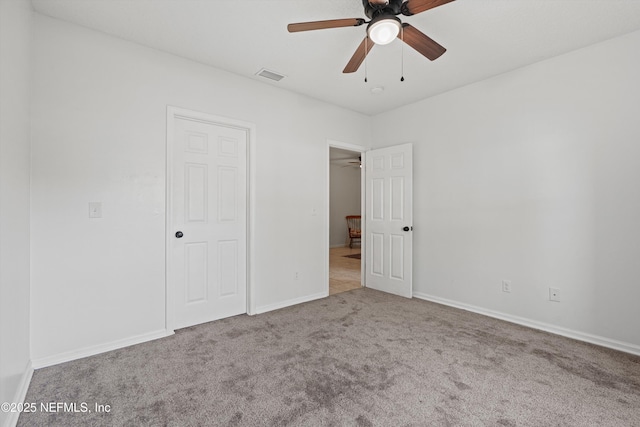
(483, 37)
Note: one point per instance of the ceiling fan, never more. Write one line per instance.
(354, 163)
(383, 28)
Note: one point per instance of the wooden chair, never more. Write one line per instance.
(353, 225)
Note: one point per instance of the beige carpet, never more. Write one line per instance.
(359, 358)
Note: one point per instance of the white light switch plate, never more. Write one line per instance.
(95, 210)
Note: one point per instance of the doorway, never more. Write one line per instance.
(345, 199)
(387, 222)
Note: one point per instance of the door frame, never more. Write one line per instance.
(174, 113)
(359, 149)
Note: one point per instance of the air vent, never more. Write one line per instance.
(272, 75)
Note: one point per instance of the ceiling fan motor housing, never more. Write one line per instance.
(374, 8)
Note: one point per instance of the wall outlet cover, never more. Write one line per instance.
(506, 286)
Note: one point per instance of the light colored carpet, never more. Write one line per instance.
(359, 358)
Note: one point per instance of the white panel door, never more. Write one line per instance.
(209, 222)
(388, 219)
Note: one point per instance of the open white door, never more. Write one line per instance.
(388, 219)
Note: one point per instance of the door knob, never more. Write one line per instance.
(406, 228)
(179, 234)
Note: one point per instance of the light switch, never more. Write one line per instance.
(95, 210)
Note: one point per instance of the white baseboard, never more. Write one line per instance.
(338, 246)
(21, 393)
(97, 349)
(569, 333)
(288, 303)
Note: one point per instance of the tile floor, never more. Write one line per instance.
(344, 273)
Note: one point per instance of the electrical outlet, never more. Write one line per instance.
(296, 275)
(506, 286)
(554, 294)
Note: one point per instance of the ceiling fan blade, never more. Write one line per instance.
(421, 42)
(321, 25)
(412, 7)
(359, 55)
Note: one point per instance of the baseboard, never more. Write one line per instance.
(97, 349)
(569, 333)
(288, 303)
(21, 394)
(338, 246)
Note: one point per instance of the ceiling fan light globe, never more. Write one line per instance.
(384, 31)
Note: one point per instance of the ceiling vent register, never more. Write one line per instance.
(271, 75)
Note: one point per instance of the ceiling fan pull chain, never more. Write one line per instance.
(366, 49)
(402, 54)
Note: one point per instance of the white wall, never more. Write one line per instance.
(532, 176)
(15, 40)
(99, 113)
(344, 199)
